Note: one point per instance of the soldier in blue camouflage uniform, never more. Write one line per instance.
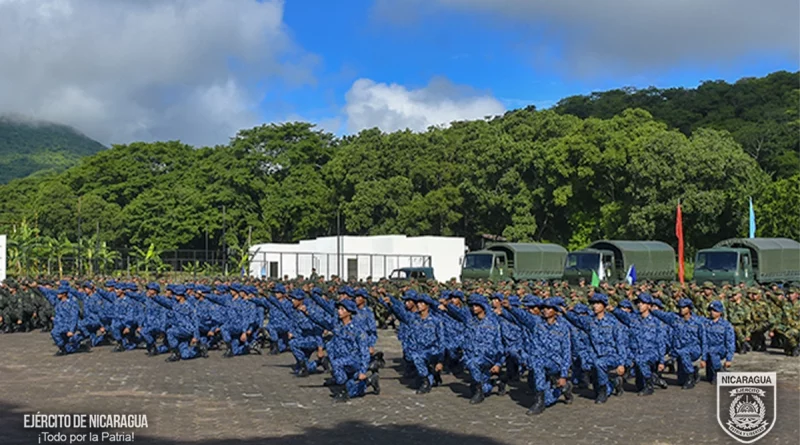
(647, 348)
(92, 323)
(426, 339)
(512, 342)
(581, 350)
(550, 353)
(721, 342)
(65, 332)
(128, 315)
(483, 343)
(305, 336)
(349, 353)
(609, 347)
(183, 330)
(689, 340)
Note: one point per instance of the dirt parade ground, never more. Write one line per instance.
(255, 400)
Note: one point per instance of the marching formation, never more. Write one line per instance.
(564, 337)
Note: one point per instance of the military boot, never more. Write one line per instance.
(648, 387)
(689, 383)
(118, 348)
(477, 395)
(538, 404)
(602, 395)
(618, 388)
(425, 386)
(324, 363)
(273, 349)
(302, 371)
(202, 350)
(61, 351)
(374, 381)
(329, 382)
(152, 350)
(174, 357)
(437, 378)
(567, 392)
(341, 395)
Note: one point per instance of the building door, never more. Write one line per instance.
(273, 269)
(352, 269)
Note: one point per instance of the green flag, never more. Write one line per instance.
(595, 279)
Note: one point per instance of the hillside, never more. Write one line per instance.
(760, 113)
(28, 147)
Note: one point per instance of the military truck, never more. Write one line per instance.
(514, 261)
(750, 261)
(611, 259)
(412, 273)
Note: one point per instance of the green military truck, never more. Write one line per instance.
(611, 259)
(750, 261)
(515, 261)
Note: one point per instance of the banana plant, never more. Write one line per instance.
(106, 256)
(147, 258)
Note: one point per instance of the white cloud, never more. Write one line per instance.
(145, 69)
(629, 36)
(395, 107)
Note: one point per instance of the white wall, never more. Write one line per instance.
(3, 253)
(292, 259)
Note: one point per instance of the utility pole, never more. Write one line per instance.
(338, 245)
(80, 236)
(224, 245)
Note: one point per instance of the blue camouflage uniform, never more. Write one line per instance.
(425, 338)
(581, 347)
(306, 335)
(608, 343)
(366, 318)
(348, 350)
(128, 314)
(182, 325)
(155, 320)
(512, 341)
(453, 332)
(483, 342)
(94, 314)
(689, 339)
(647, 346)
(721, 342)
(67, 315)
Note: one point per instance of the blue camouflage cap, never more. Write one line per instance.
(179, 289)
(658, 303)
(202, 288)
(316, 291)
(63, 289)
(626, 304)
(457, 294)
(236, 287)
(716, 306)
(559, 301)
(279, 289)
(645, 298)
(297, 294)
(222, 288)
(132, 287)
(531, 301)
(153, 286)
(346, 290)
(361, 292)
(350, 305)
(478, 299)
(581, 308)
(111, 283)
(425, 298)
(513, 300)
(685, 302)
(88, 284)
(119, 285)
(190, 286)
(498, 296)
(410, 294)
(445, 294)
(599, 298)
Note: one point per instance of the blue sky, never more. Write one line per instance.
(200, 70)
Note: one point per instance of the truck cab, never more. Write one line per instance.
(484, 264)
(719, 264)
(582, 263)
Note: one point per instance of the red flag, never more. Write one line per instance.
(679, 234)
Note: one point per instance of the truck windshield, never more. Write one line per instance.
(478, 261)
(717, 261)
(583, 261)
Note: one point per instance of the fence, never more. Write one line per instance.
(358, 266)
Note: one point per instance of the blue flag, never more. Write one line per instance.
(631, 276)
(752, 220)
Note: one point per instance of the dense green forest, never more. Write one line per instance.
(28, 147)
(760, 113)
(529, 175)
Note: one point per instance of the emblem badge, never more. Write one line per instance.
(746, 404)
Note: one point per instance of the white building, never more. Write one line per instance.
(360, 256)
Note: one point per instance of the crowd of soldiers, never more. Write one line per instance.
(565, 337)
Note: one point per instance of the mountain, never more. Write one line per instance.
(28, 147)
